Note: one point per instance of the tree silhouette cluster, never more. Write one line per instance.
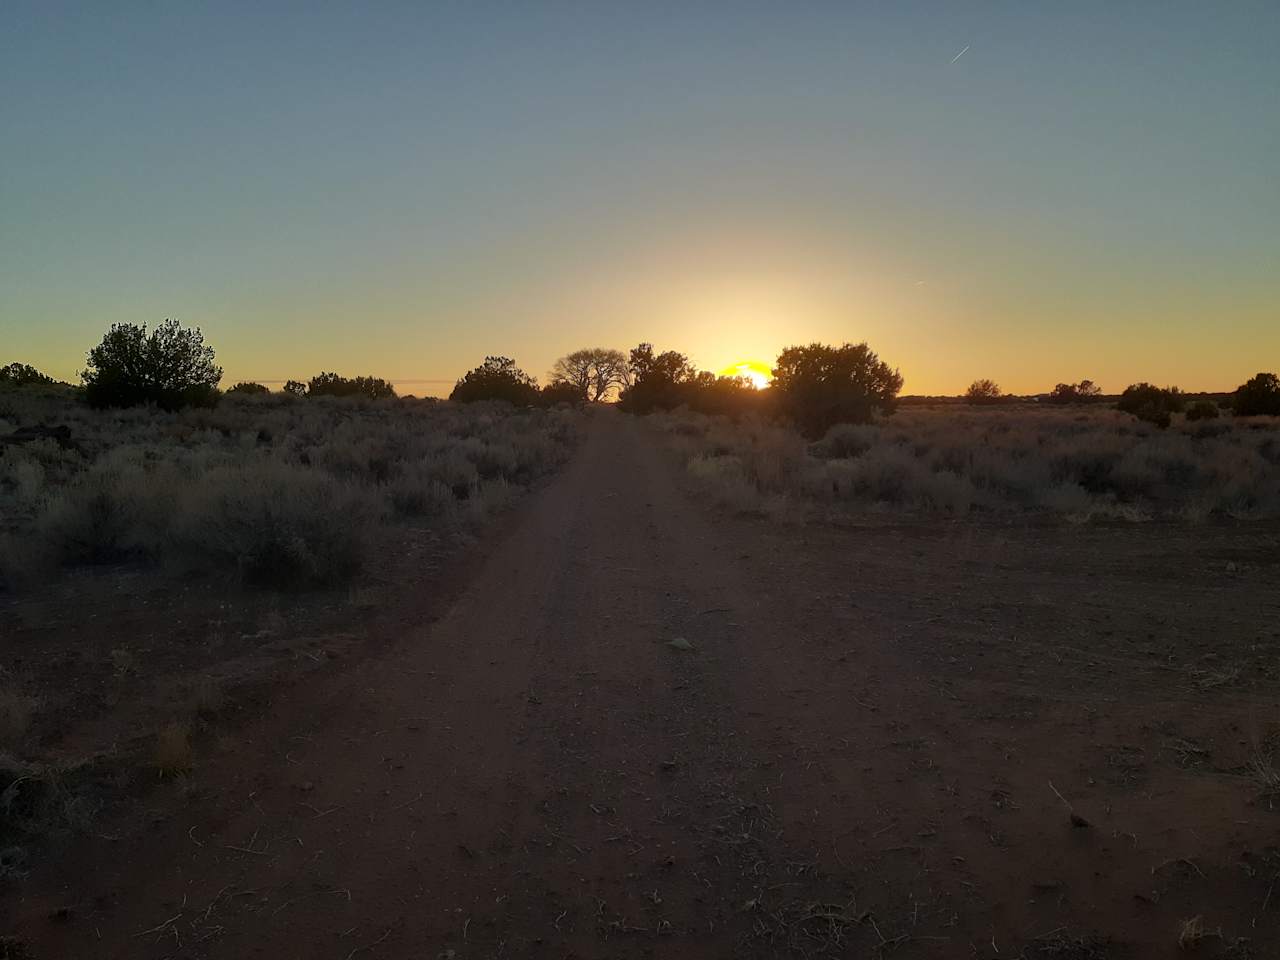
(594, 373)
(1153, 404)
(814, 386)
(1085, 391)
(819, 386)
(498, 378)
(170, 367)
(249, 389)
(23, 375)
(664, 381)
(1258, 397)
(333, 385)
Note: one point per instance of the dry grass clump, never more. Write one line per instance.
(1080, 465)
(277, 492)
(173, 754)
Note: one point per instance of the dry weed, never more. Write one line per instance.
(173, 754)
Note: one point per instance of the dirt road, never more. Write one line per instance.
(861, 753)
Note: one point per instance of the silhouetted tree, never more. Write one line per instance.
(1080, 392)
(333, 385)
(249, 388)
(728, 396)
(818, 386)
(658, 380)
(1153, 404)
(983, 391)
(595, 372)
(23, 375)
(1259, 396)
(171, 367)
(295, 388)
(498, 378)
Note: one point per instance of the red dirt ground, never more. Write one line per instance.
(874, 747)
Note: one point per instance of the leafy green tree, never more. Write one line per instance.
(170, 367)
(818, 386)
(23, 375)
(333, 385)
(498, 378)
(1258, 397)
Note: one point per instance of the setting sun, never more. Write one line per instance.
(757, 372)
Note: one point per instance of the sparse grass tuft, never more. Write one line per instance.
(1019, 459)
(1061, 944)
(1191, 933)
(173, 753)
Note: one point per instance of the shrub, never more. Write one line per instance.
(1260, 396)
(170, 367)
(1203, 410)
(847, 440)
(249, 389)
(275, 523)
(295, 388)
(983, 392)
(111, 513)
(333, 385)
(498, 378)
(818, 386)
(1150, 403)
(560, 391)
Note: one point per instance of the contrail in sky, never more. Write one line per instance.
(960, 54)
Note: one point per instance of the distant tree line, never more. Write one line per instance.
(814, 386)
(23, 375)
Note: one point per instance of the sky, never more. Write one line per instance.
(1029, 192)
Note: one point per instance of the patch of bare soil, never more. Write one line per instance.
(916, 740)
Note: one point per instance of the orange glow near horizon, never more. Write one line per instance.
(760, 374)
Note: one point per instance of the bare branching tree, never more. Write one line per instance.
(595, 373)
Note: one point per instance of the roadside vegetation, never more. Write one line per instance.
(953, 461)
(264, 489)
(164, 544)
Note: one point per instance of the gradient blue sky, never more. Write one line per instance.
(1091, 190)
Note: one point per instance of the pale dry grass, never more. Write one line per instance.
(1077, 464)
(273, 490)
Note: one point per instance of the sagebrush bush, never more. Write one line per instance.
(953, 460)
(262, 486)
(105, 516)
(276, 524)
(1202, 410)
